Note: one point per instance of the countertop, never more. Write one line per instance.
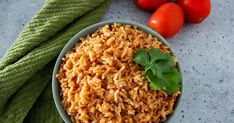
(205, 51)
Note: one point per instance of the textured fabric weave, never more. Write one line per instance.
(37, 45)
(21, 102)
(39, 113)
(54, 15)
(15, 75)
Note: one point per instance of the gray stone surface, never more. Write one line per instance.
(206, 53)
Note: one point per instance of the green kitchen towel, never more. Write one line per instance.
(54, 15)
(21, 102)
(39, 113)
(38, 44)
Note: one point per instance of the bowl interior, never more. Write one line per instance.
(90, 30)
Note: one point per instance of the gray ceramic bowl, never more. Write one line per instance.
(90, 30)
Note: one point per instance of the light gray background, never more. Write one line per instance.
(206, 53)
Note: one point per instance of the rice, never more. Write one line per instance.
(100, 83)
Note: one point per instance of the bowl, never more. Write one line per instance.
(90, 30)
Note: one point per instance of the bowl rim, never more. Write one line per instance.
(90, 30)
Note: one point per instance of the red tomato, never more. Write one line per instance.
(195, 11)
(167, 19)
(149, 5)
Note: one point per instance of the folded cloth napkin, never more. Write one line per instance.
(26, 68)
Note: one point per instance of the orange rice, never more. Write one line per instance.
(100, 83)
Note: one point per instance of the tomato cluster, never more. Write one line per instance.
(169, 17)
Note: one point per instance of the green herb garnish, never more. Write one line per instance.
(159, 69)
